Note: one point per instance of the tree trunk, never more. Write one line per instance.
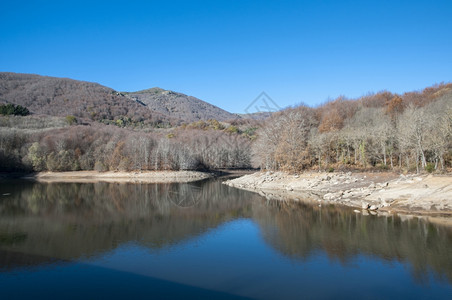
(392, 163)
(421, 152)
(417, 162)
(320, 161)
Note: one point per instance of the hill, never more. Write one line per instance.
(62, 97)
(87, 100)
(180, 106)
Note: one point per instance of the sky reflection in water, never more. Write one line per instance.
(117, 240)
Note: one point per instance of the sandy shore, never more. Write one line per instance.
(145, 177)
(370, 193)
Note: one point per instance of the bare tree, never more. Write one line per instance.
(413, 127)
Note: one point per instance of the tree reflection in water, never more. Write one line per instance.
(41, 223)
(299, 230)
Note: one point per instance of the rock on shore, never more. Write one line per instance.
(367, 191)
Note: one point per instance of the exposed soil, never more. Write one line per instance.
(369, 192)
(146, 177)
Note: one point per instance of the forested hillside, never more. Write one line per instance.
(76, 125)
(36, 143)
(63, 97)
(180, 106)
(84, 126)
(409, 132)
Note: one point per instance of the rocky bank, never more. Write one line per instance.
(370, 192)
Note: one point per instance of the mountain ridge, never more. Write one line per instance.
(179, 105)
(58, 96)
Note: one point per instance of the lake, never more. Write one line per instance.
(205, 240)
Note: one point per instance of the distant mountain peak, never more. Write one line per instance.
(181, 106)
(154, 90)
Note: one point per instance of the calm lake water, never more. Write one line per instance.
(207, 240)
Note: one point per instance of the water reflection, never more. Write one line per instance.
(298, 230)
(41, 223)
(72, 220)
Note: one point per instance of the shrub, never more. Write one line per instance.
(232, 129)
(383, 167)
(37, 157)
(430, 167)
(11, 109)
(71, 120)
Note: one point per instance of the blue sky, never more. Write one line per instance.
(228, 52)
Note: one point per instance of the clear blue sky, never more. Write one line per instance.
(228, 52)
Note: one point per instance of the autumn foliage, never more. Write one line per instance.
(410, 132)
(29, 143)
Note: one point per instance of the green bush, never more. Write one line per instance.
(71, 120)
(232, 129)
(430, 167)
(383, 167)
(11, 109)
(37, 157)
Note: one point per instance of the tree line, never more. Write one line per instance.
(11, 109)
(409, 132)
(36, 146)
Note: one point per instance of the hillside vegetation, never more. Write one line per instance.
(78, 125)
(180, 106)
(37, 143)
(154, 107)
(409, 132)
(87, 100)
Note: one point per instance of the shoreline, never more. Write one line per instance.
(122, 177)
(368, 193)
